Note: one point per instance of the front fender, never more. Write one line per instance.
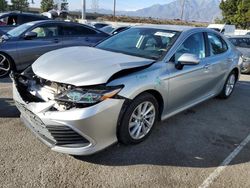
(141, 81)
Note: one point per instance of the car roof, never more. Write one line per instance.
(63, 22)
(21, 13)
(98, 23)
(52, 21)
(238, 36)
(166, 27)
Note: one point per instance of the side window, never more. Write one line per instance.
(27, 18)
(217, 44)
(4, 20)
(77, 31)
(12, 20)
(85, 30)
(46, 31)
(194, 44)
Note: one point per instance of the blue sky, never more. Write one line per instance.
(108, 4)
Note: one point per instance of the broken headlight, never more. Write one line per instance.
(82, 96)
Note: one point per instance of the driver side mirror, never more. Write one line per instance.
(30, 35)
(187, 59)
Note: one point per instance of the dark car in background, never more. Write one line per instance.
(100, 25)
(11, 20)
(242, 43)
(114, 30)
(21, 46)
(2, 33)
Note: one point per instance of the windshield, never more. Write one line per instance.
(107, 29)
(142, 42)
(241, 42)
(19, 30)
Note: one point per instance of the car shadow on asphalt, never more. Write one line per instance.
(244, 83)
(200, 137)
(8, 108)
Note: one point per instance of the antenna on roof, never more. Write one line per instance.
(114, 9)
(182, 9)
(83, 9)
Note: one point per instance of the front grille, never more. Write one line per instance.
(55, 135)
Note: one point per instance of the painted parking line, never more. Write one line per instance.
(224, 164)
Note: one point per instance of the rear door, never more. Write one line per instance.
(80, 35)
(219, 60)
(48, 38)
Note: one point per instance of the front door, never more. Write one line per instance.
(48, 39)
(189, 85)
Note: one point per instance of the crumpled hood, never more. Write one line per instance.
(84, 66)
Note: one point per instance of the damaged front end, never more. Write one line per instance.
(67, 118)
(35, 89)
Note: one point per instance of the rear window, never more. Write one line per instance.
(240, 42)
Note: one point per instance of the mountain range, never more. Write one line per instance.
(194, 10)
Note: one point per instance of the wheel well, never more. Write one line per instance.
(237, 72)
(159, 99)
(127, 102)
(10, 58)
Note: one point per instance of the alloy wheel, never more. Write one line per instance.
(4, 66)
(142, 120)
(230, 84)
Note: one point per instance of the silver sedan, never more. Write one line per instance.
(80, 100)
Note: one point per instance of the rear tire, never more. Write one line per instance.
(138, 120)
(6, 65)
(229, 86)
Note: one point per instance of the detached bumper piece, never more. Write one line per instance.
(54, 135)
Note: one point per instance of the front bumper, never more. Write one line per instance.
(82, 131)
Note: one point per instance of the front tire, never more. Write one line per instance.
(138, 120)
(229, 86)
(5, 65)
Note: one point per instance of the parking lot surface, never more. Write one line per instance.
(182, 151)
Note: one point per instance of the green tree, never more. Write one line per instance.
(20, 5)
(229, 9)
(64, 5)
(218, 21)
(241, 18)
(236, 12)
(3, 5)
(47, 5)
